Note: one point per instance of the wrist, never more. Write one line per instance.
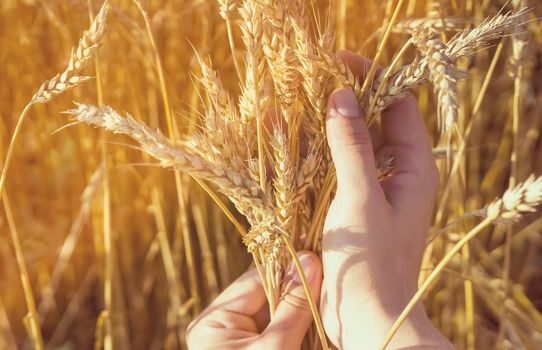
(368, 329)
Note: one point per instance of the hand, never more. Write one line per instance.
(239, 317)
(375, 231)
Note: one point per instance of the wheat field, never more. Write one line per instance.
(141, 175)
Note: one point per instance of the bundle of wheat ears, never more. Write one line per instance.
(264, 148)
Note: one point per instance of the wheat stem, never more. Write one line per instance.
(173, 134)
(233, 48)
(240, 228)
(372, 71)
(308, 292)
(517, 47)
(11, 147)
(106, 203)
(31, 319)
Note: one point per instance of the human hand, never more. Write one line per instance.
(375, 231)
(239, 317)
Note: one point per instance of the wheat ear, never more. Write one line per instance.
(435, 25)
(85, 52)
(441, 72)
(283, 181)
(250, 104)
(244, 192)
(465, 43)
(80, 57)
(224, 136)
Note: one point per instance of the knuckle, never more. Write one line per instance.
(297, 302)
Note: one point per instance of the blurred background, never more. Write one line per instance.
(122, 254)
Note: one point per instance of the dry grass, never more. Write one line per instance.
(102, 248)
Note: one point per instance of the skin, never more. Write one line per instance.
(372, 245)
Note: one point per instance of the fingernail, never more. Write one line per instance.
(310, 268)
(346, 103)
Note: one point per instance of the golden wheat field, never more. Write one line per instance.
(124, 217)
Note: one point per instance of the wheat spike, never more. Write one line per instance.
(226, 7)
(441, 72)
(435, 25)
(278, 47)
(284, 181)
(465, 43)
(468, 41)
(315, 80)
(80, 57)
(520, 41)
(517, 201)
(224, 135)
(252, 32)
(243, 192)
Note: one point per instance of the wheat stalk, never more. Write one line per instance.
(227, 8)
(62, 263)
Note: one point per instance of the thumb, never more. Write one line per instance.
(293, 317)
(350, 143)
